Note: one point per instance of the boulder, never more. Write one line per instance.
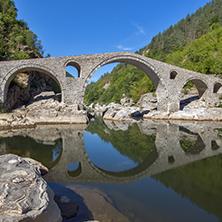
(24, 195)
(122, 114)
(125, 101)
(148, 101)
(110, 113)
(41, 168)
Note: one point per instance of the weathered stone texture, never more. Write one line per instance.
(24, 195)
(167, 79)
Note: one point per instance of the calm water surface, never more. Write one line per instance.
(143, 171)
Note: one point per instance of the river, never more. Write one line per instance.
(138, 171)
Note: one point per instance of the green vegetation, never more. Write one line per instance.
(185, 31)
(2, 110)
(192, 145)
(68, 74)
(186, 144)
(124, 79)
(194, 43)
(199, 181)
(202, 55)
(22, 146)
(15, 35)
(131, 143)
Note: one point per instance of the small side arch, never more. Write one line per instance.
(74, 64)
(201, 87)
(173, 74)
(200, 84)
(217, 86)
(24, 68)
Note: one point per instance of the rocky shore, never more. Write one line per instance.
(46, 108)
(192, 109)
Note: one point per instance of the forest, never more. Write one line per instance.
(16, 39)
(194, 43)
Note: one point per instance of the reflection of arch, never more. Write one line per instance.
(217, 86)
(214, 145)
(143, 65)
(74, 64)
(24, 68)
(192, 148)
(76, 172)
(173, 74)
(134, 172)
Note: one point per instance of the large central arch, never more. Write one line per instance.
(142, 64)
(146, 67)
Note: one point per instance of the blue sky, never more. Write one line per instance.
(77, 27)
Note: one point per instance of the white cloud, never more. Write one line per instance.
(123, 48)
(140, 28)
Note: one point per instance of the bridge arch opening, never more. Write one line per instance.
(72, 69)
(173, 74)
(192, 92)
(25, 83)
(217, 87)
(191, 143)
(74, 169)
(130, 78)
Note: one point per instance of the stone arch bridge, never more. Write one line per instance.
(167, 79)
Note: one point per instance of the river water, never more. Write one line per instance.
(138, 171)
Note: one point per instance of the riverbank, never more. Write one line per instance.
(191, 108)
(46, 109)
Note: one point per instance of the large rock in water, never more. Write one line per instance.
(24, 194)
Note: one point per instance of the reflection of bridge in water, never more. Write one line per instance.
(166, 154)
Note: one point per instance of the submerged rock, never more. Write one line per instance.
(67, 207)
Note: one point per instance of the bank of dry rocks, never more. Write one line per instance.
(192, 109)
(46, 108)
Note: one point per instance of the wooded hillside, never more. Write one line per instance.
(16, 40)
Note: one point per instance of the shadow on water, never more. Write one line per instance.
(84, 214)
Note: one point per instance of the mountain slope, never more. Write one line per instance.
(185, 31)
